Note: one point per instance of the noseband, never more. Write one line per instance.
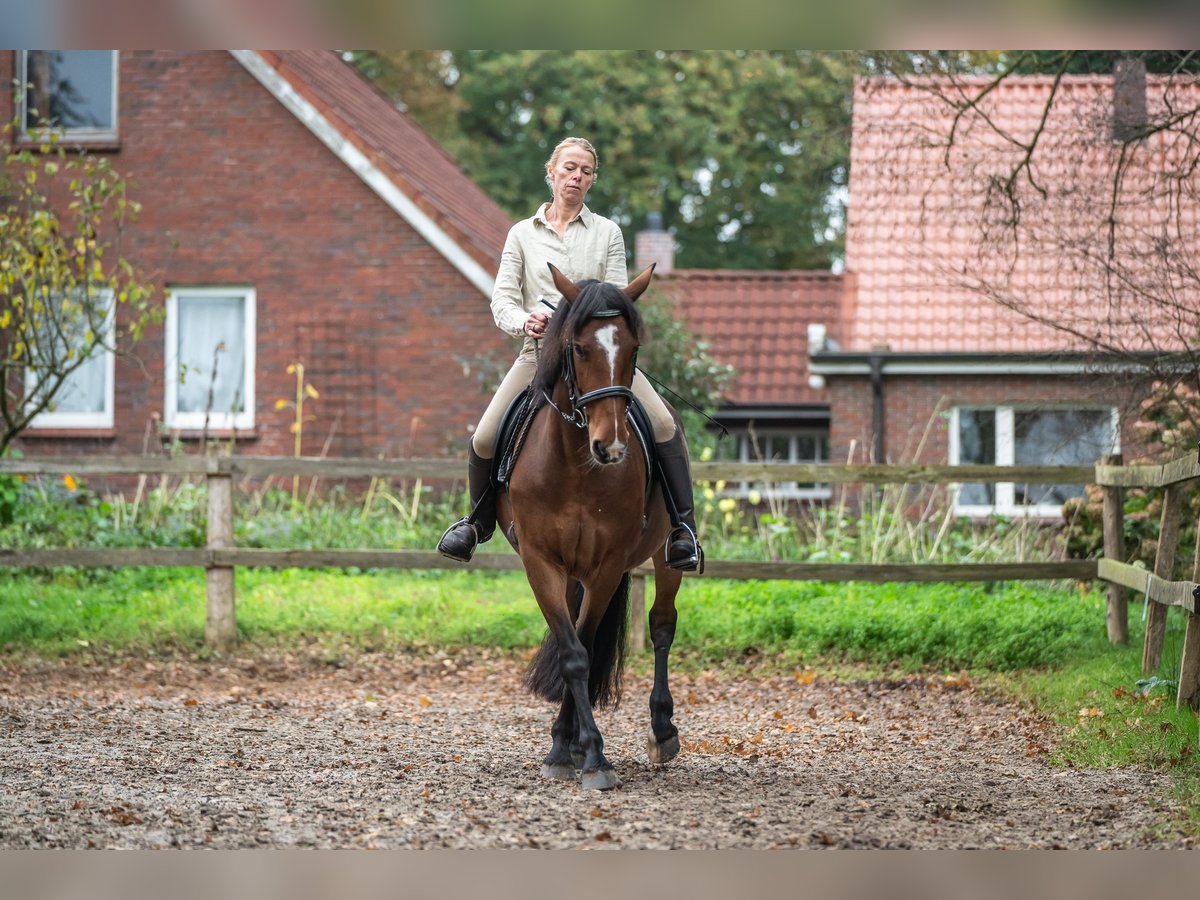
(579, 402)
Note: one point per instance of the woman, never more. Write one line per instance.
(583, 245)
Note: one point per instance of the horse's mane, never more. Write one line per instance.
(595, 298)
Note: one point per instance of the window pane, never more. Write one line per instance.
(212, 327)
(72, 88)
(977, 447)
(806, 449)
(1059, 437)
(85, 389)
(68, 327)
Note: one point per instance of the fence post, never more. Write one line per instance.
(220, 629)
(1188, 690)
(1113, 520)
(637, 613)
(1164, 567)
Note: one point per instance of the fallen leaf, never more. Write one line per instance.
(812, 712)
(604, 836)
(424, 701)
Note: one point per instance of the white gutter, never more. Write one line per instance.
(965, 367)
(376, 180)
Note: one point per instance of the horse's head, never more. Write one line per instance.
(592, 345)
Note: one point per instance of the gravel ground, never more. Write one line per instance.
(433, 752)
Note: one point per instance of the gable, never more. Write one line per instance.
(405, 168)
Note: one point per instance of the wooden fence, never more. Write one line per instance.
(220, 557)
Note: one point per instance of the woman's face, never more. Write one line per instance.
(572, 174)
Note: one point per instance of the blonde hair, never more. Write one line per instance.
(584, 143)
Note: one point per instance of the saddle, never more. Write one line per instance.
(514, 427)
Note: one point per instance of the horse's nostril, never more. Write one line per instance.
(600, 451)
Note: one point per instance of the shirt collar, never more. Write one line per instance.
(585, 216)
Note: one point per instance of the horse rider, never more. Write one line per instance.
(582, 245)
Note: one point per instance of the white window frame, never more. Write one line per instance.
(104, 419)
(1006, 504)
(784, 490)
(75, 134)
(216, 420)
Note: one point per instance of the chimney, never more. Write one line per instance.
(1129, 99)
(654, 244)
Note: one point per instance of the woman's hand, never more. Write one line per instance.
(535, 325)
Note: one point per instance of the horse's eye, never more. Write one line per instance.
(579, 350)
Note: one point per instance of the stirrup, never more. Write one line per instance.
(458, 557)
(695, 562)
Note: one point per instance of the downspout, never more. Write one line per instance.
(876, 362)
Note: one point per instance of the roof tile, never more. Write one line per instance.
(914, 259)
(757, 322)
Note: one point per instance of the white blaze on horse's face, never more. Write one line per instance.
(607, 338)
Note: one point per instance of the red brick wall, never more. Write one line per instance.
(912, 405)
(237, 191)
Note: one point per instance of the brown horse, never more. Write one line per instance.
(582, 513)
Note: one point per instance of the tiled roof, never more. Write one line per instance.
(916, 212)
(757, 322)
(420, 167)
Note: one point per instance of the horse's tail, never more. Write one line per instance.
(544, 676)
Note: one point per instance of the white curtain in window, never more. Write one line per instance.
(84, 390)
(212, 326)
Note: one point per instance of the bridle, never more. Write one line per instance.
(579, 402)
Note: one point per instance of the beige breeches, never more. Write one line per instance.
(518, 378)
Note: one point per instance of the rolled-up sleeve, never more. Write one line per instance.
(615, 270)
(507, 309)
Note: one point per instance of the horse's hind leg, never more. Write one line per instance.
(662, 745)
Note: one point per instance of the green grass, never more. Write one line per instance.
(999, 627)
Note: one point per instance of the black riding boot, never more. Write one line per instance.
(460, 538)
(683, 546)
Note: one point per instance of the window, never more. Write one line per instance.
(1040, 436)
(777, 446)
(77, 341)
(73, 90)
(210, 358)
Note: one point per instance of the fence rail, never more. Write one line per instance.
(220, 558)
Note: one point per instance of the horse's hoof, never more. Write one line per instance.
(601, 780)
(558, 771)
(664, 752)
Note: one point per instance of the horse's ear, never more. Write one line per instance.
(635, 288)
(565, 285)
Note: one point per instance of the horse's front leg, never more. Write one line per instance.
(565, 756)
(662, 744)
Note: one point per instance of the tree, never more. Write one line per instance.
(744, 153)
(62, 278)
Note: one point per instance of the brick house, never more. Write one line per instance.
(758, 323)
(292, 213)
(917, 352)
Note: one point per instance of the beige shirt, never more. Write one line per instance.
(593, 248)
